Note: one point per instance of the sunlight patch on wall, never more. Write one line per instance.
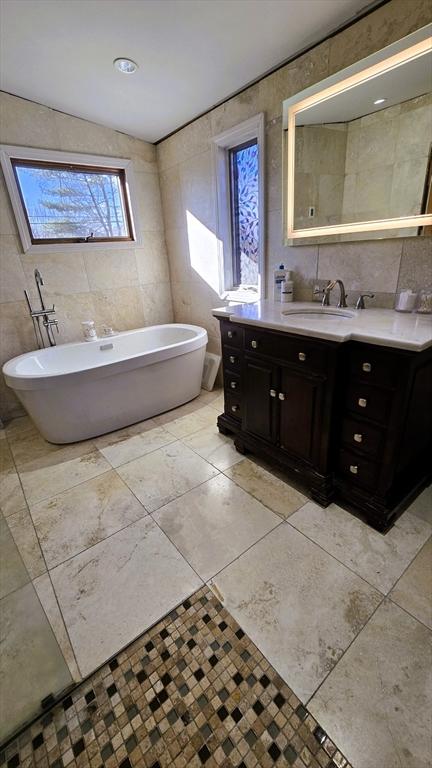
(204, 249)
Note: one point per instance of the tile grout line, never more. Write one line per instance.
(321, 547)
(384, 597)
(381, 603)
(282, 518)
(182, 440)
(50, 580)
(345, 651)
(111, 469)
(350, 568)
(401, 576)
(66, 630)
(251, 546)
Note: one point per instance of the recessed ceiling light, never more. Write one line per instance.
(127, 66)
(380, 101)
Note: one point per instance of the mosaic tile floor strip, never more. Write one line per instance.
(192, 691)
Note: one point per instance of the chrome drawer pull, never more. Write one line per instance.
(367, 367)
(233, 385)
(230, 334)
(358, 438)
(234, 408)
(281, 396)
(254, 344)
(232, 359)
(302, 356)
(354, 469)
(362, 402)
(273, 393)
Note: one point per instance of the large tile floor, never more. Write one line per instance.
(117, 531)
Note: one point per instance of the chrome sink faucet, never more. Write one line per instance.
(360, 301)
(327, 290)
(42, 313)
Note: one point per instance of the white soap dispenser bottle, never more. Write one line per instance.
(287, 289)
(279, 275)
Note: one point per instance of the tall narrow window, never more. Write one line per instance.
(244, 186)
(70, 203)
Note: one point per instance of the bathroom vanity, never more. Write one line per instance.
(341, 401)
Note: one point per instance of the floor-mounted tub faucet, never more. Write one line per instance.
(42, 313)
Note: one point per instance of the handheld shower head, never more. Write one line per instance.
(38, 277)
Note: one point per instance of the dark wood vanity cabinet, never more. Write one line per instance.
(352, 421)
(279, 392)
(385, 438)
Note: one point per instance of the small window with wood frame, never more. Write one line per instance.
(72, 203)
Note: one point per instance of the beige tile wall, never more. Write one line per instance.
(124, 288)
(386, 161)
(187, 184)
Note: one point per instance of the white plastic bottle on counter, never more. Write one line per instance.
(287, 289)
(279, 275)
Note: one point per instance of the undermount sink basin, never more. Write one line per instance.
(328, 313)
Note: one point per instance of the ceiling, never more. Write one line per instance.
(191, 53)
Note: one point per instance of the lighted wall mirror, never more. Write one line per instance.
(357, 149)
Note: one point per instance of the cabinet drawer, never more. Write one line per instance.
(232, 383)
(231, 359)
(360, 471)
(360, 436)
(374, 366)
(371, 402)
(231, 334)
(307, 355)
(233, 405)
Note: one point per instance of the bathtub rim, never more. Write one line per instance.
(45, 380)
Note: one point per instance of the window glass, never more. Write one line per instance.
(244, 213)
(73, 203)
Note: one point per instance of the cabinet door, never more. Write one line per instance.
(258, 411)
(300, 414)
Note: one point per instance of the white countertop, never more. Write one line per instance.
(384, 327)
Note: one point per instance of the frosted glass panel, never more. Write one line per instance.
(244, 176)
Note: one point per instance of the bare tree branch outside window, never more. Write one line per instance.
(64, 203)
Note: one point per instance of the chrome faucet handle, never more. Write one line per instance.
(360, 301)
(326, 293)
(42, 312)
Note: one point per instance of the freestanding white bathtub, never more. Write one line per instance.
(76, 391)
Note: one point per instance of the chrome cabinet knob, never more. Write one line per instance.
(254, 344)
(230, 334)
(233, 385)
(302, 356)
(232, 359)
(273, 393)
(358, 438)
(281, 396)
(362, 402)
(353, 469)
(367, 367)
(234, 408)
